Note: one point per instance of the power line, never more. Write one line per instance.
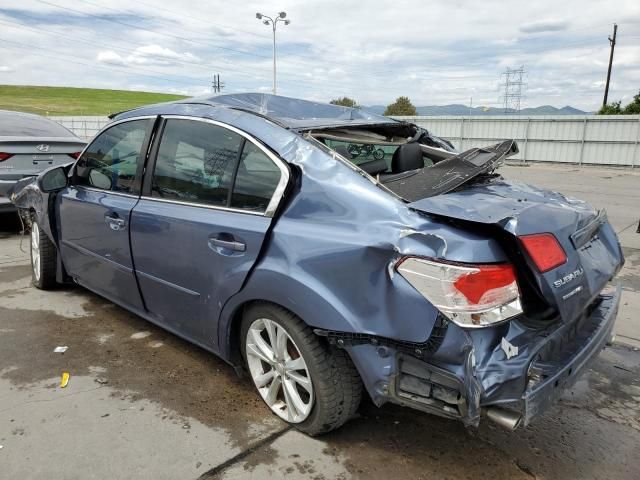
(198, 19)
(207, 66)
(137, 27)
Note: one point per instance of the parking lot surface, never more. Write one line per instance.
(141, 403)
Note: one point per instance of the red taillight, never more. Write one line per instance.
(488, 278)
(544, 250)
(74, 155)
(468, 294)
(5, 156)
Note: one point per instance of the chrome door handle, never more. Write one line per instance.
(114, 222)
(228, 244)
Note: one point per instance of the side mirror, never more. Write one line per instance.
(52, 180)
(99, 180)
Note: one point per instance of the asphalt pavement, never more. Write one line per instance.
(141, 403)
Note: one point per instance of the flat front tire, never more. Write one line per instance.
(43, 258)
(308, 384)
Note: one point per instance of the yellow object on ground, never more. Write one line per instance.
(65, 379)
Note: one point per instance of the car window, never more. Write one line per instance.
(256, 180)
(195, 162)
(112, 159)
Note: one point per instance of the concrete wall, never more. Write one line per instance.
(588, 139)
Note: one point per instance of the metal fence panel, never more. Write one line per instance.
(83, 127)
(577, 139)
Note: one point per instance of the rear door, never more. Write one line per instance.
(200, 224)
(95, 211)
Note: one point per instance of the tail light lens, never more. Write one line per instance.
(74, 155)
(544, 250)
(469, 295)
(5, 156)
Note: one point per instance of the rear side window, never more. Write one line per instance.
(195, 162)
(113, 158)
(256, 180)
(198, 162)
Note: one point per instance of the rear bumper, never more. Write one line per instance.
(547, 379)
(6, 205)
(462, 379)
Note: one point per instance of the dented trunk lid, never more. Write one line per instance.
(593, 252)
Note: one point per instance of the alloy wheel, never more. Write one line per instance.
(35, 250)
(279, 371)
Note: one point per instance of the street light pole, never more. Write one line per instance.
(273, 22)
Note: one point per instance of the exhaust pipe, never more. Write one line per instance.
(505, 418)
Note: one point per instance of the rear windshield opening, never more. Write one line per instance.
(386, 151)
(373, 159)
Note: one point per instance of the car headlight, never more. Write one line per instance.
(469, 295)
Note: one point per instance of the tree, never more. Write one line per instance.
(345, 102)
(610, 109)
(634, 107)
(402, 106)
(615, 108)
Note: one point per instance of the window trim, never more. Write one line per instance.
(146, 145)
(276, 197)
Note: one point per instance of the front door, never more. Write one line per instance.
(201, 221)
(95, 212)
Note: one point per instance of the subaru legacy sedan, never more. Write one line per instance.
(327, 252)
(30, 144)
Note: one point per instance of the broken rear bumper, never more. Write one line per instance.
(470, 373)
(548, 377)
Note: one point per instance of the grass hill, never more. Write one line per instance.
(75, 101)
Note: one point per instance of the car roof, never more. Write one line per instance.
(20, 124)
(293, 113)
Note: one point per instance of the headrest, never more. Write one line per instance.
(407, 157)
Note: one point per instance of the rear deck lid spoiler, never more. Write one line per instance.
(453, 172)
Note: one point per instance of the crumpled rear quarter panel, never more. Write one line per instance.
(331, 254)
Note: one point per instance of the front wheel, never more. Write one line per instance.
(43, 258)
(308, 384)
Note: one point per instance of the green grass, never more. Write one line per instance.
(75, 101)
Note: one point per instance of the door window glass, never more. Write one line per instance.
(256, 180)
(195, 162)
(112, 159)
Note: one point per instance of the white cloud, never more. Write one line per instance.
(549, 25)
(436, 52)
(110, 57)
(146, 55)
(5, 69)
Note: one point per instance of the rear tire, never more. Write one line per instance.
(43, 258)
(336, 388)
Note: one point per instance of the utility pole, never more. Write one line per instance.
(217, 85)
(270, 21)
(612, 42)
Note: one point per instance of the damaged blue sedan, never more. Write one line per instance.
(321, 249)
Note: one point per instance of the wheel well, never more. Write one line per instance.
(235, 327)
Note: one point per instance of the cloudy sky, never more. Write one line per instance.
(435, 52)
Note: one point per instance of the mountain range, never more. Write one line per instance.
(459, 110)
